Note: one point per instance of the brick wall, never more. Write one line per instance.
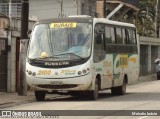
(100, 8)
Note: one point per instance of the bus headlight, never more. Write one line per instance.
(79, 72)
(84, 71)
(34, 74)
(29, 72)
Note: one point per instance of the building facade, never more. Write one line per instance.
(44, 9)
(3, 51)
(15, 7)
(4, 21)
(118, 10)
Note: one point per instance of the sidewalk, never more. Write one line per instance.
(147, 78)
(12, 99)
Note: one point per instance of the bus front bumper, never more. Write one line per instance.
(69, 84)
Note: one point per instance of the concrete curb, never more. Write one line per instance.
(151, 77)
(12, 99)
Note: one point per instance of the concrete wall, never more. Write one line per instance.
(149, 51)
(3, 24)
(11, 81)
(44, 9)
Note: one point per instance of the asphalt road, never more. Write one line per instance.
(142, 96)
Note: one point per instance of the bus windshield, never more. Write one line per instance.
(61, 41)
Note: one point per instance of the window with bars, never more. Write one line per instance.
(16, 7)
(83, 11)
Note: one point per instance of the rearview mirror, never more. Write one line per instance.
(98, 39)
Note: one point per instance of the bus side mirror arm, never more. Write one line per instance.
(29, 33)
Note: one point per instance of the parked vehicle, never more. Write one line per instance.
(157, 61)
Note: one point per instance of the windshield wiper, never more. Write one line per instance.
(70, 54)
(40, 58)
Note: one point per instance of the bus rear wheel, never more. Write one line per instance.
(120, 90)
(40, 95)
(94, 94)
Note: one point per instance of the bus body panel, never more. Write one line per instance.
(64, 76)
(81, 83)
(116, 72)
(105, 69)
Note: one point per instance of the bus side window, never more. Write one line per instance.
(99, 49)
(134, 37)
(127, 36)
(124, 37)
(119, 36)
(113, 35)
(110, 39)
(130, 36)
(108, 36)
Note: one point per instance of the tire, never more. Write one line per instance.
(158, 75)
(75, 93)
(120, 90)
(94, 94)
(40, 95)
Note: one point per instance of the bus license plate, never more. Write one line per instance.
(56, 83)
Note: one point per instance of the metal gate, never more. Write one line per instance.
(143, 60)
(3, 64)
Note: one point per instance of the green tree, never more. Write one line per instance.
(145, 20)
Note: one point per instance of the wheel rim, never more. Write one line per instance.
(96, 91)
(124, 87)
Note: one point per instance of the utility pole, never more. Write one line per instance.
(61, 7)
(104, 8)
(157, 19)
(23, 47)
(10, 21)
(77, 2)
(61, 14)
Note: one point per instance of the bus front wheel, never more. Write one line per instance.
(40, 95)
(120, 90)
(94, 94)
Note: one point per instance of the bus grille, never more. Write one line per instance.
(58, 86)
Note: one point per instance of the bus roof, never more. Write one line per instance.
(107, 21)
(86, 19)
(67, 19)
